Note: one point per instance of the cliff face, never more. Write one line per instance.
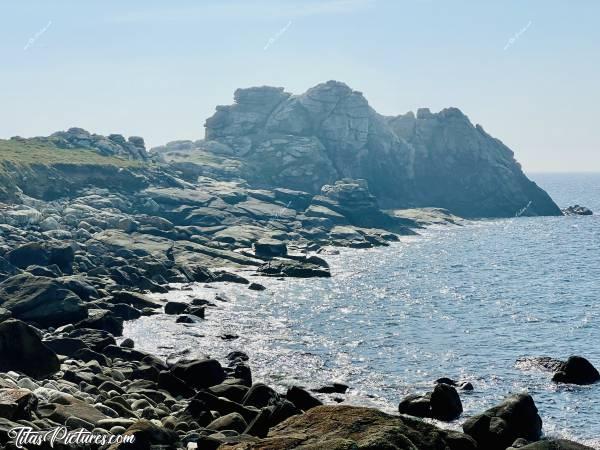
(330, 132)
(460, 167)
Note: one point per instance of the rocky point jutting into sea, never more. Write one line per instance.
(96, 231)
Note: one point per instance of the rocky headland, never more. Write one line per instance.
(90, 225)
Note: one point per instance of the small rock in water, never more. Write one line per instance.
(127, 343)
(256, 287)
(577, 210)
(333, 388)
(441, 404)
(577, 370)
(175, 307)
(185, 319)
(229, 337)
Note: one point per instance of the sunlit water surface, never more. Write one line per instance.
(463, 302)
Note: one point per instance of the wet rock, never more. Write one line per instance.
(498, 427)
(463, 385)
(174, 385)
(21, 349)
(292, 268)
(134, 299)
(333, 388)
(197, 311)
(185, 319)
(127, 343)
(260, 395)
(577, 370)
(200, 374)
(540, 362)
(175, 307)
(256, 287)
(302, 399)
(416, 405)
(445, 403)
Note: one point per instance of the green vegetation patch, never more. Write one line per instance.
(32, 152)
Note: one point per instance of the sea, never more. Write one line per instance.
(467, 302)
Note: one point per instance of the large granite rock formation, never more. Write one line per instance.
(330, 132)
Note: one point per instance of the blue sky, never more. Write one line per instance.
(157, 69)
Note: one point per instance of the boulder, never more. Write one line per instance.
(42, 300)
(96, 340)
(302, 398)
(441, 404)
(64, 406)
(22, 350)
(577, 370)
(199, 374)
(233, 421)
(134, 299)
(269, 248)
(43, 254)
(498, 427)
(101, 319)
(175, 307)
(64, 345)
(416, 405)
(347, 427)
(445, 403)
(260, 395)
(146, 435)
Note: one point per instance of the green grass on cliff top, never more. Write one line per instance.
(31, 152)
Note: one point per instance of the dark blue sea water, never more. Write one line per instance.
(463, 302)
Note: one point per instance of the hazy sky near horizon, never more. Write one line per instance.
(528, 71)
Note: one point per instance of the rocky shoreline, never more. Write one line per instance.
(74, 270)
(91, 225)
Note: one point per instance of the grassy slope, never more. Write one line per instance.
(28, 153)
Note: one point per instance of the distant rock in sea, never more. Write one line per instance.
(275, 139)
(577, 210)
